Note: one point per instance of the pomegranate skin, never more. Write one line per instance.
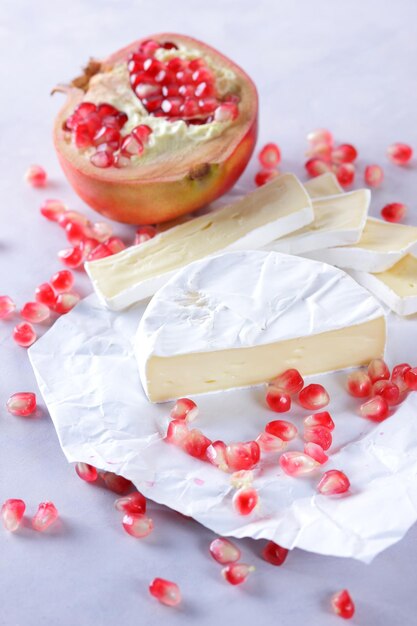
(160, 192)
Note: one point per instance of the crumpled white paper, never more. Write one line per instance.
(88, 376)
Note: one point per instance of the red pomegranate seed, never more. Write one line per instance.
(375, 409)
(116, 483)
(342, 604)
(115, 245)
(387, 390)
(296, 463)
(184, 409)
(320, 435)
(374, 175)
(144, 233)
(105, 109)
(137, 525)
(270, 156)
(270, 443)
(65, 302)
(316, 167)
(378, 370)
(274, 553)
(320, 135)
(245, 500)
(35, 312)
(410, 378)
(83, 135)
(121, 161)
(333, 482)
(400, 153)
(22, 403)
(265, 176)
(45, 516)
(206, 105)
(86, 472)
(242, 456)
(345, 173)
(316, 452)
(62, 282)
(289, 381)
(398, 376)
(85, 109)
(24, 334)
(72, 217)
(177, 432)
(53, 209)
(190, 108)
(12, 512)
(149, 47)
(237, 573)
(101, 231)
(134, 504)
(216, 455)
(394, 212)
(131, 146)
(108, 135)
(277, 400)
(102, 159)
(359, 384)
(195, 444)
(141, 133)
(345, 153)
(7, 306)
(313, 397)
(99, 252)
(165, 591)
(75, 233)
(224, 551)
(321, 151)
(282, 429)
(44, 294)
(36, 176)
(172, 106)
(226, 112)
(320, 419)
(72, 257)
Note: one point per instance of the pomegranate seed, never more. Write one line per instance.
(184, 409)
(345, 153)
(320, 419)
(22, 403)
(345, 173)
(101, 231)
(190, 108)
(320, 435)
(321, 135)
(226, 112)
(7, 306)
(72, 217)
(105, 109)
(410, 378)
(99, 252)
(375, 409)
(149, 47)
(134, 504)
(359, 384)
(244, 478)
(53, 209)
(75, 233)
(274, 553)
(394, 212)
(387, 390)
(333, 482)
(282, 429)
(177, 432)
(141, 133)
(12, 513)
(165, 591)
(62, 282)
(270, 443)
(131, 146)
(245, 500)
(85, 109)
(137, 525)
(316, 167)
(65, 302)
(316, 452)
(242, 456)
(45, 516)
(144, 233)
(264, 177)
(195, 444)
(121, 161)
(224, 551)
(342, 604)
(289, 381)
(102, 159)
(108, 135)
(207, 105)
(86, 472)
(72, 257)
(374, 175)
(35, 312)
(398, 376)
(115, 245)
(44, 294)
(400, 153)
(322, 151)
(277, 400)
(36, 176)
(270, 156)
(172, 106)
(313, 397)
(297, 463)
(116, 483)
(24, 334)
(378, 370)
(83, 135)
(237, 573)
(216, 455)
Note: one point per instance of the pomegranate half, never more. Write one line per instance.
(158, 129)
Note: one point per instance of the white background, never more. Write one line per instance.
(348, 66)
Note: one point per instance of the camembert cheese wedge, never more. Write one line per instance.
(240, 318)
(323, 185)
(268, 213)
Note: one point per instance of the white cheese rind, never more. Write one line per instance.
(323, 185)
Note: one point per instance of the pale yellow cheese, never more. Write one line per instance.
(401, 277)
(323, 185)
(381, 236)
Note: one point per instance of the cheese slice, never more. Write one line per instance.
(396, 287)
(338, 220)
(381, 245)
(240, 318)
(268, 213)
(323, 185)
